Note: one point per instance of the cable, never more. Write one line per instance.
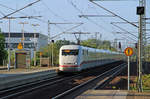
(114, 14)
(87, 17)
(53, 12)
(2, 13)
(20, 9)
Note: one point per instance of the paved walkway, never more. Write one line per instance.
(14, 72)
(4, 70)
(19, 76)
(113, 94)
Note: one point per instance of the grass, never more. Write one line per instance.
(145, 83)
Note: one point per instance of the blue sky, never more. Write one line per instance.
(61, 11)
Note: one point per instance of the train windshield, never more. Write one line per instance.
(70, 52)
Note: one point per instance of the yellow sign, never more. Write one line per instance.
(40, 53)
(19, 46)
(128, 51)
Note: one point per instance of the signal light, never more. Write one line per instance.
(120, 45)
(136, 45)
(140, 10)
(52, 41)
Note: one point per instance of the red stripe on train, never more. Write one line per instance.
(84, 62)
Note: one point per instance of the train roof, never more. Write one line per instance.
(87, 48)
(70, 47)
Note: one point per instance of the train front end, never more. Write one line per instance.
(69, 58)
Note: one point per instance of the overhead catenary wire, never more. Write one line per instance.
(15, 11)
(114, 14)
(90, 20)
(2, 13)
(55, 14)
(20, 9)
(124, 30)
(41, 20)
(128, 37)
(66, 31)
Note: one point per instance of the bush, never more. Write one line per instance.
(37, 61)
(146, 82)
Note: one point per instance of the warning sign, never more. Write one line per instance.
(19, 46)
(40, 53)
(128, 51)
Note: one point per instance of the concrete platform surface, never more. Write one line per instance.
(113, 94)
(16, 77)
(3, 70)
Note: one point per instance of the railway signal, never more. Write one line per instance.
(140, 10)
(136, 45)
(141, 40)
(52, 41)
(120, 45)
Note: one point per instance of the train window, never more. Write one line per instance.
(83, 51)
(87, 52)
(70, 52)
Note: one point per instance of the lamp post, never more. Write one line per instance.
(35, 42)
(23, 23)
(9, 62)
(9, 47)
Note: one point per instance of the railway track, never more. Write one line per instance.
(29, 87)
(49, 88)
(101, 79)
(21, 89)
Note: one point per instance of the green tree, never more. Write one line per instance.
(3, 52)
(47, 50)
(98, 44)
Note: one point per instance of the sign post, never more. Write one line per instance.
(128, 52)
(40, 58)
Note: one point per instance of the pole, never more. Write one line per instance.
(8, 66)
(128, 73)
(52, 54)
(35, 43)
(40, 59)
(34, 50)
(23, 36)
(49, 41)
(23, 32)
(140, 55)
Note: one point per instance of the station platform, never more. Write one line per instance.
(113, 94)
(15, 77)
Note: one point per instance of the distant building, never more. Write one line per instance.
(31, 40)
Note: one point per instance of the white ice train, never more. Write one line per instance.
(73, 58)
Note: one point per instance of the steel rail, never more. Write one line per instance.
(36, 87)
(101, 77)
(108, 79)
(20, 87)
(26, 84)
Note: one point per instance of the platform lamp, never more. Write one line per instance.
(23, 23)
(35, 42)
